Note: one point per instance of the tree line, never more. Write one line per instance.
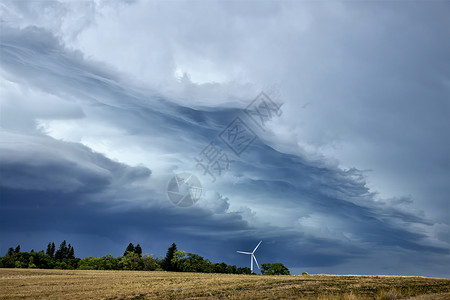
(62, 258)
(132, 259)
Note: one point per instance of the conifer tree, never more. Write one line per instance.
(138, 249)
(62, 252)
(167, 264)
(71, 252)
(130, 248)
(50, 249)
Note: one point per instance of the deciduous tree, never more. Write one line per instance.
(274, 269)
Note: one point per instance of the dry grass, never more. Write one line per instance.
(69, 284)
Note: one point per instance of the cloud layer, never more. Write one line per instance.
(102, 103)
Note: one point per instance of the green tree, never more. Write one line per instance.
(167, 264)
(132, 261)
(111, 263)
(138, 249)
(220, 268)
(191, 262)
(20, 264)
(150, 263)
(17, 250)
(130, 248)
(10, 252)
(42, 260)
(231, 269)
(91, 263)
(31, 263)
(62, 265)
(7, 261)
(178, 260)
(71, 252)
(274, 269)
(50, 249)
(63, 251)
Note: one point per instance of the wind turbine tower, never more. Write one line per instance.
(252, 256)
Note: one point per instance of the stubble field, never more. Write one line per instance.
(78, 284)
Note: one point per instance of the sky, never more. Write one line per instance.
(319, 127)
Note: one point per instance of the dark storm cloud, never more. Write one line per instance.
(306, 187)
(53, 185)
(42, 163)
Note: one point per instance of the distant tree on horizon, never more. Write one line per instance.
(50, 249)
(59, 254)
(71, 252)
(130, 248)
(167, 264)
(17, 250)
(138, 249)
(274, 269)
(64, 251)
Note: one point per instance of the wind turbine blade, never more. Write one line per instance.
(256, 261)
(257, 246)
(243, 252)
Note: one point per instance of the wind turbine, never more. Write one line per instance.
(252, 256)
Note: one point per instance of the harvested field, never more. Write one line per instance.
(78, 284)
